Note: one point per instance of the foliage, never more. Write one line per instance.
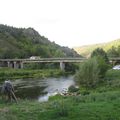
(23, 43)
(103, 66)
(102, 59)
(114, 51)
(92, 72)
(71, 67)
(42, 66)
(72, 88)
(88, 73)
(99, 52)
(113, 74)
(61, 109)
(28, 73)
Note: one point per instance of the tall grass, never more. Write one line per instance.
(61, 109)
(98, 97)
(95, 106)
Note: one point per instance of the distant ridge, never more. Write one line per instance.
(87, 49)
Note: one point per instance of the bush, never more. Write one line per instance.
(88, 73)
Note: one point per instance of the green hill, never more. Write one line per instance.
(23, 43)
(86, 50)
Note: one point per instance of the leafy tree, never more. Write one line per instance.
(113, 52)
(91, 72)
(118, 51)
(103, 66)
(100, 52)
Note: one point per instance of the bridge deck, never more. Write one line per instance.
(52, 60)
(45, 60)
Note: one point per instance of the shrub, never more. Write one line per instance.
(72, 88)
(88, 73)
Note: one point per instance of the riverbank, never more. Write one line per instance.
(6, 73)
(101, 103)
(97, 106)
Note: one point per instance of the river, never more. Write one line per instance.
(41, 89)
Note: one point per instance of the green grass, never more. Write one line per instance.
(89, 107)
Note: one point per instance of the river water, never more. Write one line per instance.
(41, 89)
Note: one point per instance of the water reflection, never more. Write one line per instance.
(41, 89)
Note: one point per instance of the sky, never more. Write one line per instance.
(66, 22)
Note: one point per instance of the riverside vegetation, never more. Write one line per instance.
(97, 99)
(7, 73)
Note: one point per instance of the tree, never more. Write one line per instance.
(113, 52)
(103, 66)
(91, 72)
(100, 52)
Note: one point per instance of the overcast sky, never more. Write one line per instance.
(67, 22)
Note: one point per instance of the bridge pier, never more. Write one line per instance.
(62, 66)
(18, 65)
(15, 64)
(21, 65)
(10, 64)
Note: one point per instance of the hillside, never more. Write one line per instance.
(86, 50)
(23, 43)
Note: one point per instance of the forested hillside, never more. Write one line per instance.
(23, 43)
(87, 50)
